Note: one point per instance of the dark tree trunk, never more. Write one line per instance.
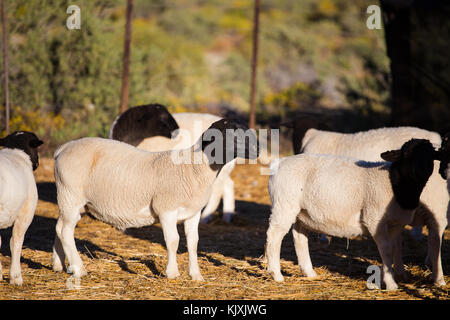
(417, 41)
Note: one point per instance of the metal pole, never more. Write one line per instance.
(126, 59)
(252, 119)
(5, 66)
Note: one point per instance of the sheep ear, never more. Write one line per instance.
(36, 143)
(391, 156)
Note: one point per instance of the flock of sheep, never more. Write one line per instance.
(343, 185)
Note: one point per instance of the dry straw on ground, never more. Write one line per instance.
(130, 265)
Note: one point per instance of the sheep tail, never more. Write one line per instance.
(59, 150)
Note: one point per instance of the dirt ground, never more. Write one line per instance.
(131, 264)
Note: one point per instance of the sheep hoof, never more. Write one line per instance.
(277, 276)
(311, 274)
(372, 286)
(76, 271)
(197, 277)
(57, 267)
(207, 219)
(16, 280)
(228, 216)
(391, 286)
(173, 274)
(439, 282)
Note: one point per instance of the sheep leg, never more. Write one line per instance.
(275, 235)
(58, 255)
(213, 202)
(191, 231)
(169, 225)
(228, 192)
(21, 225)
(69, 220)
(300, 235)
(279, 225)
(434, 252)
(228, 199)
(385, 248)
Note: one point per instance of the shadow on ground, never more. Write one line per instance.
(243, 239)
(47, 191)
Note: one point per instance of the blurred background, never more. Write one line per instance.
(195, 55)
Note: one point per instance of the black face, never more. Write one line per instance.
(139, 123)
(25, 141)
(444, 156)
(411, 167)
(237, 141)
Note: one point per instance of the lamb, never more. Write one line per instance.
(128, 187)
(346, 198)
(368, 145)
(191, 126)
(18, 192)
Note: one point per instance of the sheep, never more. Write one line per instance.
(345, 197)
(139, 123)
(18, 192)
(191, 125)
(129, 187)
(314, 135)
(368, 145)
(364, 145)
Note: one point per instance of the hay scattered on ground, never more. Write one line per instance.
(131, 264)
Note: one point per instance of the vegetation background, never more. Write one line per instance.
(191, 55)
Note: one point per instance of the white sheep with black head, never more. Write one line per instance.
(368, 145)
(128, 187)
(142, 126)
(345, 197)
(18, 192)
